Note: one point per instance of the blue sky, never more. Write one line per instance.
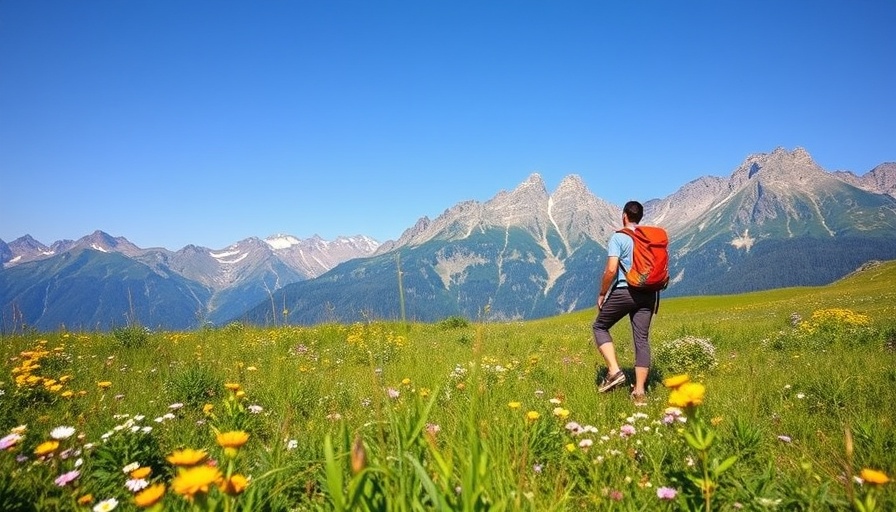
(206, 122)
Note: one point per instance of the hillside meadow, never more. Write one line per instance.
(772, 400)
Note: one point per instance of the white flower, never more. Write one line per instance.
(136, 484)
(292, 444)
(105, 505)
(175, 406)
(255, 409)
(130, 467)
(62, 432)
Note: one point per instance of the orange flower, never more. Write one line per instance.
(873, 476)
(197, 479)
(234, 485)
(87, 499)
(149, 496)
(141, 472)
(187, 457)
(232, 439)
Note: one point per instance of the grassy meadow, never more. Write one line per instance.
(787, 404)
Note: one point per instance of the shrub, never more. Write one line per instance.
(132, 336)
(685, 355)
(194, 385)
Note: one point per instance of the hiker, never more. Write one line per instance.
(617, 298)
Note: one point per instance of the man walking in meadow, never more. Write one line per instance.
(625, 290)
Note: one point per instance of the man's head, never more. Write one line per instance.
(633, 211)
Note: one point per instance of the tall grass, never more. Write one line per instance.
(468, 415)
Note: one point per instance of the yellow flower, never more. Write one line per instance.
(676, 381)
(232, 386)
(104, 384)
(149, 496)
(873, 476)
(560, 412)
(143, 472)
(514, 405)
(187, 457)
(571, 447)
(192, 481)
(46, 448)
(67, 394)
(232, 439)
(687, 394)
(532, 415)
(234, 485)
(240, 394)
(406, 381)
(716, 421)
(207, 408)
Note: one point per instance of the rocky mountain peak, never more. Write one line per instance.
(778, 166)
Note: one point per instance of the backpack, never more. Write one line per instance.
(650, 258)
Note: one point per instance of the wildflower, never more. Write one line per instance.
(432, 429)
(62, 432)
(405, 381)
(555, 401)
(358, 456)
(570, 447)
(393, 393)
(46, 448)
(676, 381)
(192, 481)
(234, 485)
(232, 386)
(687, 394)
(561, 412)
(149, 496)
(514, 405)
(9, 441)
(87, 499)
(136, 484)
(187, 457)
(627, 430)
(532, 415)
(207, 408)
(133, 466)
(105, 385)
(585, 443)
(175, 406)
(574, 428)
(106, 505)
(616, 495)
(292, 444)
(666, 493)
(538, 468)
(255, 409)
(801, 395)
(784, 439)
(716, 421)
(873, 476)
(63, 479)
(232, 439)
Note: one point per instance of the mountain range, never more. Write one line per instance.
(777, 220)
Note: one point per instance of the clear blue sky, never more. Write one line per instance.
(206, 122)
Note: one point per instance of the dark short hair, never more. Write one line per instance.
(634, 211)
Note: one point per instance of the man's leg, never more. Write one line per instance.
(614, 308)
(640, 320)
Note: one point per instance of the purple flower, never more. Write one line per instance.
(537, 468)
(9, 441)
(63, 479)
(616, 495)
(136, 484)
(666, 493)
(627, 430)
(393, 393)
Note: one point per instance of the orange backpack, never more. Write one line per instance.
(650, 258)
